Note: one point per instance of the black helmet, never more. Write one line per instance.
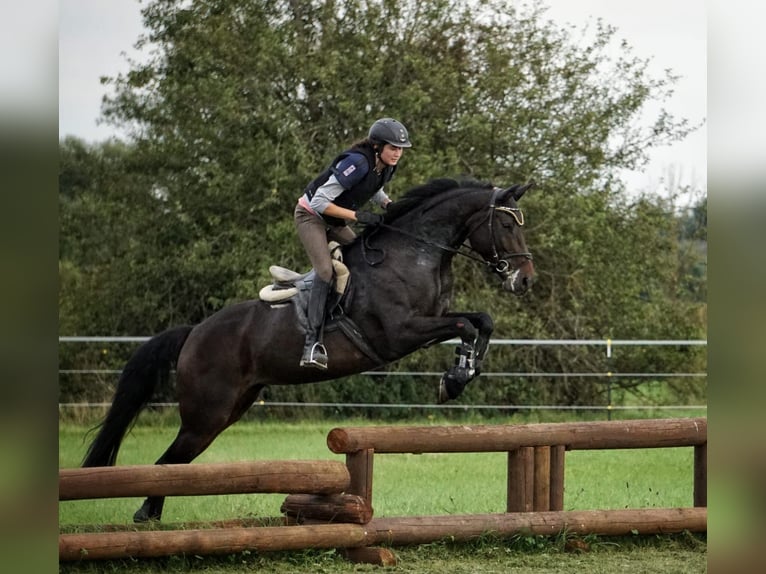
(388, 130)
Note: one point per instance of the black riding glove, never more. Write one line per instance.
(368, 218)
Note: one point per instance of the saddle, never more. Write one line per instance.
(292, 287)
(288, 283)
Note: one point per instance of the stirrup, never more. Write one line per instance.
(317, 357)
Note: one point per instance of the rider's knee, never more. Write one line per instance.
(324, 272)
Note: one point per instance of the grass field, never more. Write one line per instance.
(411, 485)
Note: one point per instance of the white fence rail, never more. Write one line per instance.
(608, 376)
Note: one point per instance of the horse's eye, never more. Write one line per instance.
(507, 221)
(508, 216)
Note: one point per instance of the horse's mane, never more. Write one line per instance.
(420, 195)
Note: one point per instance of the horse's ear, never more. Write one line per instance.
(518, 190)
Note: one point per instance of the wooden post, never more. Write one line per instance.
(700, 475)
(558, 453)
(520, 480)
(542, 479)
(359, 466)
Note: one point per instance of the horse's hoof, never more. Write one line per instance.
(453, 383)
(443, 394)
(142, 515)
(449, 388)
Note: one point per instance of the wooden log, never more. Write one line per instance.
(328, 508)
(558, 454)
(589, 435)
(461, 528)
(700, 475)
(370, 555)
(520, 494)
(272, 476)
(542, 480)
(652, 433)
(360, 465)
(113, 545)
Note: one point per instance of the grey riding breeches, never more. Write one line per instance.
(315, 234)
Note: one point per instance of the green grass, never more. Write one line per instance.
(406, 485)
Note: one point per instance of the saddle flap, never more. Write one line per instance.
(341, 276)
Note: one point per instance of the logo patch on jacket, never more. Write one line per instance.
(349, 170)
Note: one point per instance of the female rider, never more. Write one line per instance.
(334, 199)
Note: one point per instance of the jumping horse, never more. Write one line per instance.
(397, 301)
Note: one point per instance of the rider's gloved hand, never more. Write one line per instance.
(368, 218)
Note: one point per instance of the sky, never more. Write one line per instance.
(96, 38)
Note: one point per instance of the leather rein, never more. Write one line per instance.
(500, 266)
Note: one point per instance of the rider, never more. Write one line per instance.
(331, 201)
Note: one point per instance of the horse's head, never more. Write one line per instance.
(444, 213)
(500, 241)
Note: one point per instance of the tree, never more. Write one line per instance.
(242, 103)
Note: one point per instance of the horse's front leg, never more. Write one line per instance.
(417, 332)
(485, 326)
(469, 356)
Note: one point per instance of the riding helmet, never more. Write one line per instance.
(388, 130)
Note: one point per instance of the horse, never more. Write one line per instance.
(396, 302)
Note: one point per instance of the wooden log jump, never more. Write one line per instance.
(392, 531)
(330, 491)
(266, 476)
(536, 452)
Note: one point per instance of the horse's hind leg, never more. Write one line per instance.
(187, 445)
(190, 442)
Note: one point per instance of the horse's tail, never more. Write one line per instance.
(149, 366)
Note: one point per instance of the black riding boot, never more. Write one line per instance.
(314, 353)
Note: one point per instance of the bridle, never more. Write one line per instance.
(499, 266)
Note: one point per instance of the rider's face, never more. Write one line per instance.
(390, 154)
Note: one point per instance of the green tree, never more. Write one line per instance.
(240, 104)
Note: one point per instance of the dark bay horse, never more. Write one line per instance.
(399, 298)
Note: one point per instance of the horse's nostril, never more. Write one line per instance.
(526, 282)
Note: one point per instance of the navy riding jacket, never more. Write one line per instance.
(355, 171)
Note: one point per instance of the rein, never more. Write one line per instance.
(501, 266)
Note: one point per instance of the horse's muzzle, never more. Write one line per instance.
(520, 280)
